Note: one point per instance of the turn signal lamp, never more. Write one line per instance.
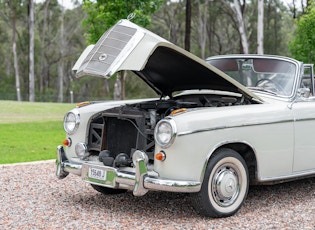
(160, 156)
(84, 103)
(67, 142)
(177, 111)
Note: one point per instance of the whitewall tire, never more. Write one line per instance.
(225, 185)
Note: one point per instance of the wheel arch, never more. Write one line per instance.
(246, 151)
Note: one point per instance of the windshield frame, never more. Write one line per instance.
(294, 73)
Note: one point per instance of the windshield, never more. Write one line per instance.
(273, 76)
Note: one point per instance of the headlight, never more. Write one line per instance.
(165, 132)
(71, 121)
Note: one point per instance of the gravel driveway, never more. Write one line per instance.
(32, 198)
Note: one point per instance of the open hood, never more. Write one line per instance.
(166, 67)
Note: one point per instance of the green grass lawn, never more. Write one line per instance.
(30, 131)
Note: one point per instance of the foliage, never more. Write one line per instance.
(103, 14)
(222, 30)
(137, 88)
(303, 45)
(169, 22)
(47, 47)
(164, 17)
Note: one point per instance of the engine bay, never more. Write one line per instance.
(115, 134)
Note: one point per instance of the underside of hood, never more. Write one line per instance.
(168, 71)
(164, 66)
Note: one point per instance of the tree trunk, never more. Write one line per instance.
(15, 57)
(202, 26)
(260, 27)
(123, 80)
(188, 25)
(43, 63)
(241, 26)
(106, 86)
(119, 87)
(60, 62)
(31, 52)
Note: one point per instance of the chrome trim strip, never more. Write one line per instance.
(279, 179)
(305, 119)
(239, 126)
(172, 185)
(232, 126)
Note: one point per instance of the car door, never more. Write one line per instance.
(304, 115)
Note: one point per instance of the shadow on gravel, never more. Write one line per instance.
(284, 195)
(177, 205)
(163, 204)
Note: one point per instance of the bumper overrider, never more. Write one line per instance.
(139, 181)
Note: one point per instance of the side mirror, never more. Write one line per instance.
(304, 92)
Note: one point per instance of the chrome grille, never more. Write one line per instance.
(106, 51)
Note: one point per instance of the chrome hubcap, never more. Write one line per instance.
(225, 185)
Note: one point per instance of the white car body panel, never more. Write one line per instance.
(196, 127)
(304, 115)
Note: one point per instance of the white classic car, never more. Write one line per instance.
(216, 127)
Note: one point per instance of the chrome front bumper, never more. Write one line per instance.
(140, 182)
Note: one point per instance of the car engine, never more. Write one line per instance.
(116, 133)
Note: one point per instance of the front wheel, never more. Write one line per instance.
(225, 185)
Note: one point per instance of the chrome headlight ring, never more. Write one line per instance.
(165, 132)
(71, 121)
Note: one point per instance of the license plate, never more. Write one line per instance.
(97, 174)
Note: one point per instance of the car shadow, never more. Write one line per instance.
(167, 205)
(285, 195)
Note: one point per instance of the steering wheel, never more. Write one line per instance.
(272, 85)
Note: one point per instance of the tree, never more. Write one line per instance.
(60, 62)
(238, 10)
(188, 25)
(43, 35)
(31, 52)
(60, 41)
(260, 27)
(169, 22)
(10, 13)
(202, 25)
(103, 14)
(15, 56)
(241, 25)
(303, 45)
(214, 30)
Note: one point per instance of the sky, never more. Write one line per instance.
(68, 4)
